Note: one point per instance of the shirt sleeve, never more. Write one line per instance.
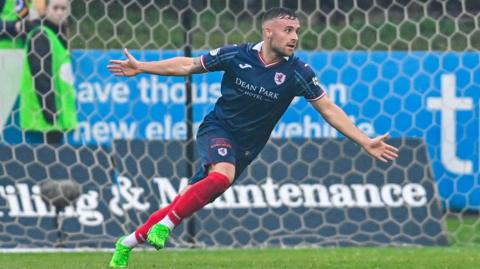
(7, 28)
(219, 59)
(309, 86)
(21, 7)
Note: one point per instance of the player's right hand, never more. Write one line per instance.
(129, 67)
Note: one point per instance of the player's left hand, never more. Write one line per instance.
(381, 150)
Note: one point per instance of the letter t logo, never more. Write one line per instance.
(448, 104)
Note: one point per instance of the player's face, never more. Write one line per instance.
(57, 11)
(283, 35)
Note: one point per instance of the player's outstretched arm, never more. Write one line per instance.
(336, 117)
(177, 66)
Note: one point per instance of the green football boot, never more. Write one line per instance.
(158, 235)
(121, 255)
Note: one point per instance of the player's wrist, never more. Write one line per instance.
(140, 67)
(364, 141)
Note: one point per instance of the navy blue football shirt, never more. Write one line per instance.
(255, 95)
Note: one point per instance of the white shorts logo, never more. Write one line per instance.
(222, 152)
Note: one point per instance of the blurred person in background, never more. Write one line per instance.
(47, 96)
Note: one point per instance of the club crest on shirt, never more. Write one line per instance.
(279, 78)
(222, 152)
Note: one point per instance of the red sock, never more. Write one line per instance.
(142, 231)
(198, 195)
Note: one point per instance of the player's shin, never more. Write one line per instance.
(142, 231)
(198, 195)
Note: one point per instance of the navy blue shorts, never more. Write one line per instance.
(215, 146)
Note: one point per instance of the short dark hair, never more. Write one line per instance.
(280, 13)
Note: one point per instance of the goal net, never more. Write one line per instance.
(405, 67)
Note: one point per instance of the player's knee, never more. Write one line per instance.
(224, 168)
(184, 190)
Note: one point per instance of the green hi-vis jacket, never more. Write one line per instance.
(31, 116)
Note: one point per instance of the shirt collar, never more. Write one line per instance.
(258, 47)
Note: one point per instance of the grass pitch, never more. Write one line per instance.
(463, 254)
(331, 258)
